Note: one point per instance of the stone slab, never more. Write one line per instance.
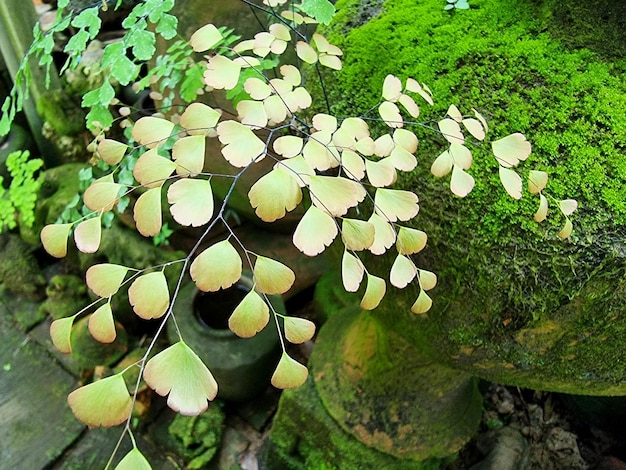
(36, 424)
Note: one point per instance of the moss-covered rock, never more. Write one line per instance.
(304, 435)
(19, 270)
(197, 438)
(66, 295)
(514, 303)
(388, 394)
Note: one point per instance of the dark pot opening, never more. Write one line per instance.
(213, 309)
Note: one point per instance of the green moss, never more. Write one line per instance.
(523, 67)
(305, 436)
(65, 116)
(19, 271)
(67, 294)
(197, 438)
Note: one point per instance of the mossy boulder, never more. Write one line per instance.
(19, 270)
(514, 303)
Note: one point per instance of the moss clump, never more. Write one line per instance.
(500, 273)
(197, 438)
(67, 294)
(304, 435)
(63, 114)
(19, 270)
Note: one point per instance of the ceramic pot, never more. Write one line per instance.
(241, 367)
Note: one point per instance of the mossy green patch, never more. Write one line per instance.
(304, 435)
(197, 438)
(521, 65)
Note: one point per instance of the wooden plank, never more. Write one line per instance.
(36, 424)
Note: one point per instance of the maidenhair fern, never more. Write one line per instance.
(336, 167)
(17, 202)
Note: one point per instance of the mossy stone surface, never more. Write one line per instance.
(66, 295)
(514, 304)
(389, 395)
(304, 435)
(19, 270)
(197, 438)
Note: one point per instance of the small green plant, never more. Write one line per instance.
(337, 168)
(17, 202)
(456, 5)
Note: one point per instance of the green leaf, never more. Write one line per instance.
(298, 330)
(179, 372)
(54, 239)
(99, 117)
(374, 292)
(105, 279)
(101, 324)
(123, 69)
(105, 402)
(149, 295)
(511, 149)
(352, 271)
(100, 96)
(222, 73)
(151, 169)
(542, 211)
(451, 130)
(167, 26)
(410, 241)
(395, 204)
(566, 231)
(537, 181)
(143, 44)
(271, 276)
(461, 182)
(335, 195)
(511, 181)
(357, 234)
(101, 196)
(60, 333)
(422, 303)
(198, 118)
(384, 234)
(250, 316)
(242, 146)
(88, 19)
(205, 38)
(192, 201)
(274, 194)
(315, 231)
(427, 279)
(217, 267)
(289, 373)
(87, 235)
(152, 131)
(111, 151)
(322, 10)
(403, 271)
(133, 460)
(568, 206)
(147, 213)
